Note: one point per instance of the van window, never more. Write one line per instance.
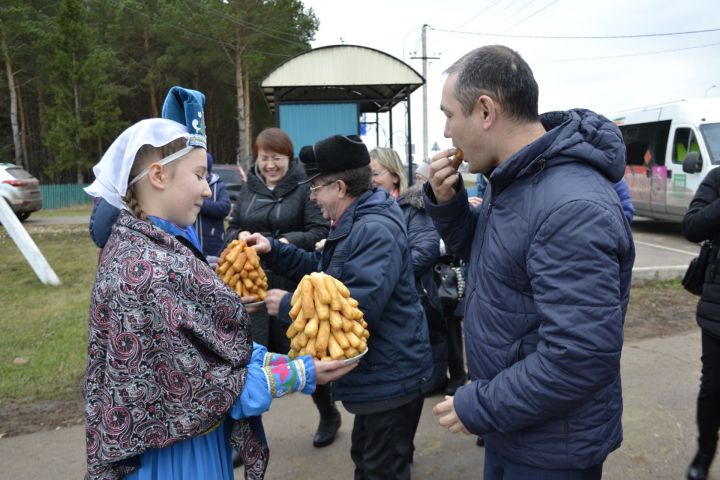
(646, 142)
(684, 142)
(711, 134)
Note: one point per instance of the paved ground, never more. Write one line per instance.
(660, 384)
(661, 251)
(33, 221)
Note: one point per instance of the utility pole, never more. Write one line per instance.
(424, 59)
(424, 73)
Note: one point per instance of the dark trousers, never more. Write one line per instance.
(500, 468)
(456, 358)
(708, 402)
(382, 442)
(269, 332)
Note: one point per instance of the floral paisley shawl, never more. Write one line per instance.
(168, 345)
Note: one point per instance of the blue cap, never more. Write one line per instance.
(186, 106)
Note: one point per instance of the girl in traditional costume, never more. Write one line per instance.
(173, 378)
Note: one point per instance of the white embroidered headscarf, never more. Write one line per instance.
(113, 169)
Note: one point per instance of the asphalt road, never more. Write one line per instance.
(661, 250)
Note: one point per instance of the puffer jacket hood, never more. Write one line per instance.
(376, 201)
(373, 202)
(572, 136)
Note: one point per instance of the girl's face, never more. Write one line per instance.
(381, 176)
(272, 165)
(186, 188)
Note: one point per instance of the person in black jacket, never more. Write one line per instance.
(274, 203)
(702, 222)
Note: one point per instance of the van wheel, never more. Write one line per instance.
(23, 216)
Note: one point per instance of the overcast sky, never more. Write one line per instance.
(605, 75)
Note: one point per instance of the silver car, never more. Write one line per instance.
(20, 189)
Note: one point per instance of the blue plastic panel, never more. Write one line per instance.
(307, 123)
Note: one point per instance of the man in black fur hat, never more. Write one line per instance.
(367, 250)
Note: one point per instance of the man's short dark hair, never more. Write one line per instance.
(500, 73)
(357, 180)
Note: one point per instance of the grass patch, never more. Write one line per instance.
(45, 325)
(74, 211)
(671, 284)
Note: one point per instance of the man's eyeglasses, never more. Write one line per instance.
(315, 188)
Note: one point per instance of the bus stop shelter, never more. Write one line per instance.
(324, 91)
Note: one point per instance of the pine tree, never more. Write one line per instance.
(84, 100)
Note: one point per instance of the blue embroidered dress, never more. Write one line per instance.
(209, 456)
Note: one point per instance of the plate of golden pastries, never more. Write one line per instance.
(326, 321)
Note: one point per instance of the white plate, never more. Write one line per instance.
(254, 304)
(355, 359)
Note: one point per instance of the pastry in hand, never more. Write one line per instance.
(457, 159)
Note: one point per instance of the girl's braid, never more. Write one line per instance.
(133, 204)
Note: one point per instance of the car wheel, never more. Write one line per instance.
(23, 216)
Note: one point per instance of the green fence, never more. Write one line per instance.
(65, 195)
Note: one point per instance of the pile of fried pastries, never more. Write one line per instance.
(239, 267)
(326, 321)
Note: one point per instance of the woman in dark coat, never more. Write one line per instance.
(702, 222)
(425, 249)
(273, 202)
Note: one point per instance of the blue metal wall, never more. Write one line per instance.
(307, 123)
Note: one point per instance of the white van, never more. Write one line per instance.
(670, 149)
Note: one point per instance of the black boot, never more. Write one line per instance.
(698, 469)
(237, 460)
(456, 359)
(330, 418)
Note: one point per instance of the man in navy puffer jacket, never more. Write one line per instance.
(550, 259)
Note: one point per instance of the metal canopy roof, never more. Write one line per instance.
(373, 79)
